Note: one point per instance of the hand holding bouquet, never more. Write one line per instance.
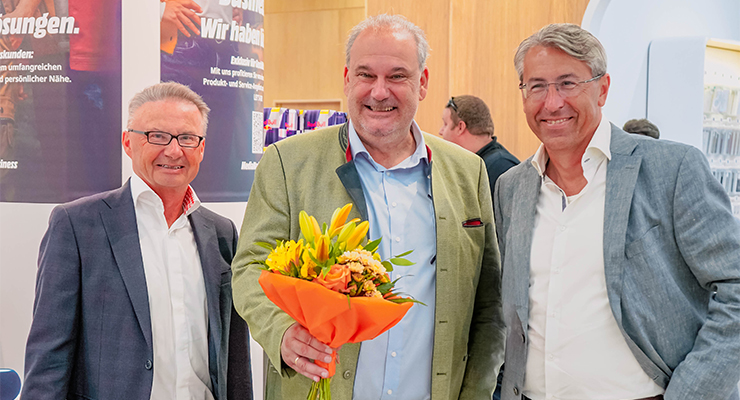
(333, 286)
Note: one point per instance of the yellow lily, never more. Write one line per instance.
(338, 219)
(322, 248)
(358, 235)
(309, 226)
(346, 231)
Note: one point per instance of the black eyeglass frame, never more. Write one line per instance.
(558, 85)
(177, 137)
(451, 103)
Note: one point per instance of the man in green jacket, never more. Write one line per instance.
(382, 163)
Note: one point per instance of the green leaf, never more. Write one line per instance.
(385, 287)
(388, 266)
(268, 246)
(372, 246)
(325, 270)
(405, 254)
(400, 300)
(401, 261)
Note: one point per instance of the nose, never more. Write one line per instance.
(380, 89)
(553, 99)
(173, 150)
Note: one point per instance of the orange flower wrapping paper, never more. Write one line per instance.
(328, 315)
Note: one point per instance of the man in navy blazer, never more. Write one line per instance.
(133, 292)
(620, 253)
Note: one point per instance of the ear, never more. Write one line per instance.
(424, 83)
(346, 79)
(202, 148)
(604, 83)
(126, 142)
(461, 127)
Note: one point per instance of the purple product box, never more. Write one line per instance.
(338, 118)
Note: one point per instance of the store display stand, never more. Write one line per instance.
(694, 98)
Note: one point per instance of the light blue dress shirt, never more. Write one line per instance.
(398, 363)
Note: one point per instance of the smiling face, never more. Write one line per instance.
(562, 123)
(383, 83)
(168, 170)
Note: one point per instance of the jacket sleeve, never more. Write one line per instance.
(266, 219)
(52, 341)
(708, 236)
(487, 331)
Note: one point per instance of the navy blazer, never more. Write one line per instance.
(671, 263)
(91, 336)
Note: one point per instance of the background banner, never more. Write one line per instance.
(223, 62)
(60, 99)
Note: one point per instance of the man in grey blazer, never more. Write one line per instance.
(621, 257)
(133, 293)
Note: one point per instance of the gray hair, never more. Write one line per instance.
(392, 23)
(168, 91)
(572, 40)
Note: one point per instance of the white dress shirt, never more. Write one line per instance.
(177, 297)
(576, 349)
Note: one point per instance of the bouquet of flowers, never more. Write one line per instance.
(334, 286)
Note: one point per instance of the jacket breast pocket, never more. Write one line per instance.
(647, 242)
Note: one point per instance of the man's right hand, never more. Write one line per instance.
(299, 348)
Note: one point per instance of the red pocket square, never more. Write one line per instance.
(472, 223)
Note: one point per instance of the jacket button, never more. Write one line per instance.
(516, 391)
(524, 338)
(148, 364)
(347, 374)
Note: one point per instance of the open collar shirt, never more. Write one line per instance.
(177, 297)
(398, 363)
(576, 349)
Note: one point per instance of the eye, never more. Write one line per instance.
(568, 85)
(397, 77)
(159, 136)
(187, 138)
(536, 87)
(364, 75)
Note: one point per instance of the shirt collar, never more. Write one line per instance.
(140, 191)
(599, 146)
(421, 152)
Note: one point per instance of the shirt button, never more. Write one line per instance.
(550, 357)
(389, 391)
(347, 374)
(562, 228)
(398, 239)
(148, 364)
(394, 204)
(393, 354)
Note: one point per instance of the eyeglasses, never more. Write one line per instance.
(164, 138)
(538, 90)
(452, 104)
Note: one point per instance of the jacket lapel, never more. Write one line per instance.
(120, 225)
(519, 244)
(208, 249)
(621, 177)
(347, 173)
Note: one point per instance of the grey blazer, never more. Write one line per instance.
(671, 260)
(91, 336)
